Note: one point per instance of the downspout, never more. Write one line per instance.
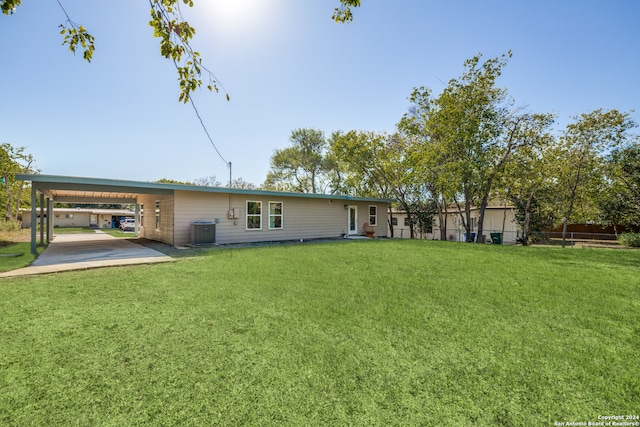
(34, 219)
(42, 218)
(49, 220)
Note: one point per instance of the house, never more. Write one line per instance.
(497, 219)
(78, 217)
(176, 213)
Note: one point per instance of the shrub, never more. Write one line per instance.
(9, 226)
(630, 239)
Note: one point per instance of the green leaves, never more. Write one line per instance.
(175, 35)
(9, 7)
(77, 35)
(343, 13)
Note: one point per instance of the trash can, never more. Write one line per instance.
(473, 237)
(496, 238)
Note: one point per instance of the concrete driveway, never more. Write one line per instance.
(88, 250)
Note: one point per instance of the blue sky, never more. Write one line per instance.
(286, 65)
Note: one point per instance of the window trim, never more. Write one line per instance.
(281, 215)
(248, 215)
(157, 212)
(375, 216)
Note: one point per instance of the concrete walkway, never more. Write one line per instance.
(88, 250)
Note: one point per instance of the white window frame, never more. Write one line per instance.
(374, 216)
(259, 215)
(281, 215)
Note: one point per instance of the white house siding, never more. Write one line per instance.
(303, 218)
(493, 220)
(165, 232)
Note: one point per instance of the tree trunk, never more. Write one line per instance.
(441, 221)
(483, 207)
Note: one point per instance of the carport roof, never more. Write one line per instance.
(98, 190)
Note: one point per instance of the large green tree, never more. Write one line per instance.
(175, 34)
(428, 156)
(526, 180)
(381, 165)
(304, 166)
(583, 149)
(474, 125)
(620, 202)
(13, 161)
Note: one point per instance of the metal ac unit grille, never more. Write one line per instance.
(203, 232)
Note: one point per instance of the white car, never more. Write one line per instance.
(128, 224)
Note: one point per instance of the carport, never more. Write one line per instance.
(48, 189)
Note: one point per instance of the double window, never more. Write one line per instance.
(254, 215)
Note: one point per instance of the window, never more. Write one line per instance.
(275, 215)
(157, 214)
(254, 215)
(69, 216)
(406, 221)
(394, 221)
(142, 215)
(373, 215)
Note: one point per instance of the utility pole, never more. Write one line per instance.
(230, 181)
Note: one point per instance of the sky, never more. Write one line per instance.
(286, 65)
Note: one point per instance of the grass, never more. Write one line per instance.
(345, 333)
(116, 232)
(15, 249)
(72, 230)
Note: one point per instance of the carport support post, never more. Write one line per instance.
(49, 220)
(41, 218)
(136, 223)
(34, 202)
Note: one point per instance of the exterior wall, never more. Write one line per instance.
(302, 218)
(80, 219)
(164, 233)
(493, 219)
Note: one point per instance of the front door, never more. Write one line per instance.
(353, 219)
(93, 221)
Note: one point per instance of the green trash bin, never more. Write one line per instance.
(496, 238)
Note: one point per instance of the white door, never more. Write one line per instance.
(353, 219)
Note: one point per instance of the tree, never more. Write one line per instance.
(429, 157)
(302, 167)
(380, 165)
(583, 147)
(173, 181)
(13, 161)
(207, 181)
(620, 203)
(474, 126)
(175, 34)
(526, 178)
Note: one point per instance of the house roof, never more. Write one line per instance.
(96, 190)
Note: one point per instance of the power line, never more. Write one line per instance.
(207, 132)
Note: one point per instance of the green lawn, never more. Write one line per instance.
(16, 255)
(346, 333)
(72, 230)
(116, 232)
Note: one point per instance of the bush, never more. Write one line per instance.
(9, 226)
(630, 239)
